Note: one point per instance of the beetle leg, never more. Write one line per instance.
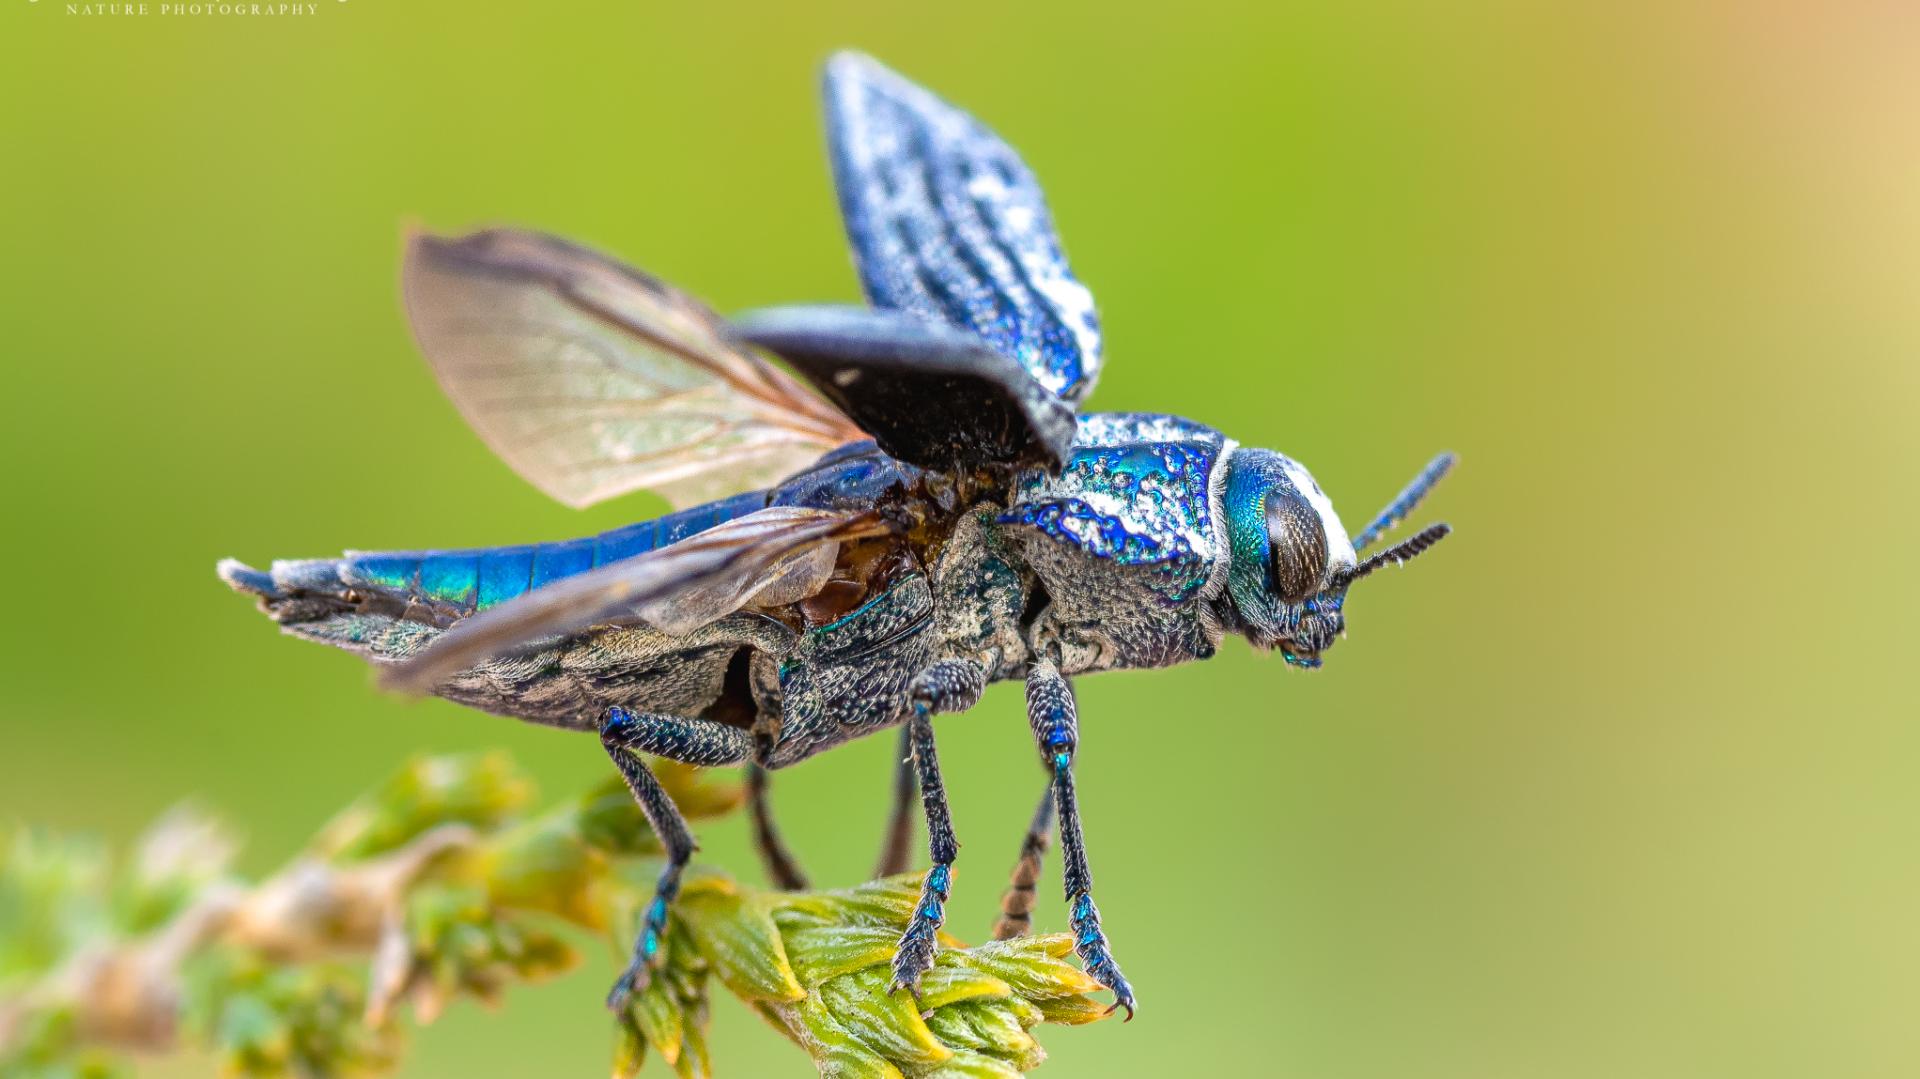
(951, 685)
(1056, 727)
(691, 741)
(895, 846)
(914, 954)
(1016, 903)
(782, 868)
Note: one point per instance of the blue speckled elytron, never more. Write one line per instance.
(923, 511)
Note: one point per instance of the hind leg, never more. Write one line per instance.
(782, 868)
(1016, 903)
(691, 741)
(896, 846)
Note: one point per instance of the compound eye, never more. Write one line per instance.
(1298, 542)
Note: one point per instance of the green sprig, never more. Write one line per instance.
(448, 889)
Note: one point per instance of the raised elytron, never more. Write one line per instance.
(908, 510)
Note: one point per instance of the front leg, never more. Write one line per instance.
(1056, 727)
(948, 686)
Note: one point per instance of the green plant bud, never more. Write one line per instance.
(481, 790)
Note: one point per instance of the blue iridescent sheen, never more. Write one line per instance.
(1250, 475)
(450, 578)
(1073, 521)
(465, 581)
(552, 561)
(505, 572)
(1140, 504)
(675, 527)
(623, 543)
(396, 574)
(851, 477)
(946, 221)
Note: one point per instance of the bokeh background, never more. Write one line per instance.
(1621, 781)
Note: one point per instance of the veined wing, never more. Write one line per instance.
(777, 555)
(946, 221)
(593, 379)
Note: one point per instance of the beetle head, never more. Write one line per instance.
(1292, 561)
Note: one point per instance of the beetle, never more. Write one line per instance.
(908, 510)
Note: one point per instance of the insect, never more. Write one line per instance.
(907, 511)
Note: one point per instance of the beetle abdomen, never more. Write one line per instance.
(441, 587)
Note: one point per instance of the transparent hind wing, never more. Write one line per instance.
(593, 379)
(774, 556)
(946, 221)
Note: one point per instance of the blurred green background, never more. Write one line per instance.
(1619, 782)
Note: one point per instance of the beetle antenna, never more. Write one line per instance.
(1404, 502)
(1400, 553)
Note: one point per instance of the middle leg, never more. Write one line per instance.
(952, 685)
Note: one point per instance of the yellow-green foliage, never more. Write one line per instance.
(447, 888)
(816, 966)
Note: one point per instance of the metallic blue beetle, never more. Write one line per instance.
(924, 512)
